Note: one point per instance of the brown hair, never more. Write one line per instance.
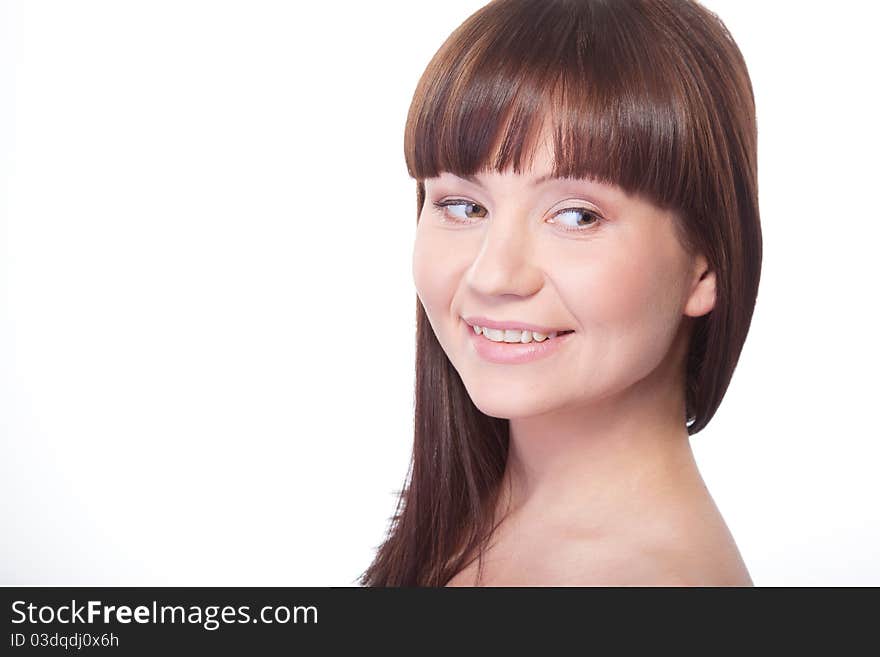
(651, 95)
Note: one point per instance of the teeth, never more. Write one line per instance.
(512, 335)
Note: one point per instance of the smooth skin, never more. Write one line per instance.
(601, 486)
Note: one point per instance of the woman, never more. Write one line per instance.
(587, 260)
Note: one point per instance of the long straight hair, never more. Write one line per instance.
(651, 95)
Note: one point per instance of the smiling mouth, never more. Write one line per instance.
(516, 336)
(514, 346)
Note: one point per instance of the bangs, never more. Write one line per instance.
(611, 87)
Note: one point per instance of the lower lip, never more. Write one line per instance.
(512, 353)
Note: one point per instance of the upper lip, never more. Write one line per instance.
(513, 324)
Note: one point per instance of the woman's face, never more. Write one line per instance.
(564, 254)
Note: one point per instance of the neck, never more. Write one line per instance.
(610, 464)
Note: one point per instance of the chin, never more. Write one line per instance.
(506, 404)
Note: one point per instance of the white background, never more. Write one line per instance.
(207, 322)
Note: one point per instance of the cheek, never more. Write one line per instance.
(434, 271)
(626, 312)
(628, 303)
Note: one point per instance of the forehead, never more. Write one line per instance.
(536, 172)
(535, 179)
(536, 175)
(537, 168)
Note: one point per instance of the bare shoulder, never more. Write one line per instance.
(698, 551)
(711, 560)
(692, 556)
(685, 566)
(691, 545)
(606, 565)
(686, 544)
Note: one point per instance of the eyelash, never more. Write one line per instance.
(441, 205)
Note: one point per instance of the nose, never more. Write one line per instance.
(505, 263)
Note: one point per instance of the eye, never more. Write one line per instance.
(467, 207)
(584, 219)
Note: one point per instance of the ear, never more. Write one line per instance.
(701, 299)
